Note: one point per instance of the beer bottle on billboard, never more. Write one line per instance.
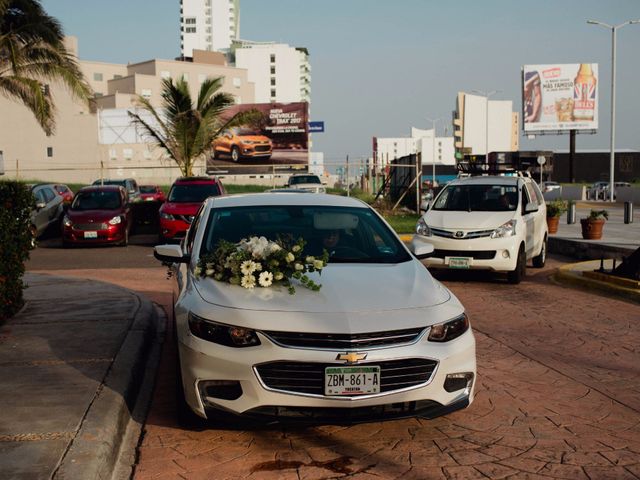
(584, 94)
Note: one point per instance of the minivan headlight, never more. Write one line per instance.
(506, 230)
(422, 228)
(227, 335)
(443, 332)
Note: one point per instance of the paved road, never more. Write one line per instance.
(558, 397)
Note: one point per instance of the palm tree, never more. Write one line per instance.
(32, 52)
(184, 130)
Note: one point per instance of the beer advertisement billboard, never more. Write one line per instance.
(277, 141)
(560, 97)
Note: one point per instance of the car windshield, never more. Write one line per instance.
(97, 200)
(147, 189)
(122, 183)
(477, 198)
(349, 235)
(304, 179)
(193, 193)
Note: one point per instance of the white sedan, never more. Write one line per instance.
(381, 338)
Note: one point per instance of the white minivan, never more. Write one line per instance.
(487, 222)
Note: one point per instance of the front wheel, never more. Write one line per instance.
(540, 260)
(235, 154)
(515, 276)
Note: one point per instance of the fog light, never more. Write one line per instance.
(505, 254)
(222, 389)
(458, 381)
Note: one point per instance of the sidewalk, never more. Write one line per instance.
(72, 362)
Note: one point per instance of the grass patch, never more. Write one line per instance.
(233, 188)
(402, 223)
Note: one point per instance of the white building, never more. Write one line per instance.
(208, 25)
(281, 73)
(471, 119)
(420, 141)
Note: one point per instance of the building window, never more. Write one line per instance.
(273, 58)
(190, 20)
(146, 93)
(237, 82)
(190, 30)
(185, 77)
(113, 154)
(273, 70)
(127, 153)
(97, 77)
(98, 94)
(273, 82)
(49, 152)
(273, 93)
(165, 74)
(116, 76)
(238, 99)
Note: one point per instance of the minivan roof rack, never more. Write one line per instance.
(474, 169)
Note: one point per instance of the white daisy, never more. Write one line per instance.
(265, 279)
(248, 281)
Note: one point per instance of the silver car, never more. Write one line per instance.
(49, 208)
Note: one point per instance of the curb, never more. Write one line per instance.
(565, 275)
(95, 450)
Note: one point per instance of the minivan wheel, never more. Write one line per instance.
(516, 276)
(540, 260)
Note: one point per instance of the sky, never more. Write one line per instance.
(381, 67)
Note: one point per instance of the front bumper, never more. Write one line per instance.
(173, 229)
(504, 252)
(112, 234)
(203, 361)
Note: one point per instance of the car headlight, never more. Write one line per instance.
(166, 216)
(443, 332)
(227, 335)
(66, 221)
(422, 228)
(506, 230)
(248, 142)
(115, 220)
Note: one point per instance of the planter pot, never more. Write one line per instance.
(552, 224)
(592, 229)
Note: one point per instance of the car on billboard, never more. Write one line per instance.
(238, 143)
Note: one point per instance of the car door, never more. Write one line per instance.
(40, 217)
(531, 220)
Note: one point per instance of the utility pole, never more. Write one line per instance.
(348, 176)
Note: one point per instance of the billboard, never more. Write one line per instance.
(560, 97)
(277, 142)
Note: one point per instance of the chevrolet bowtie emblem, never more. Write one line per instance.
(351, 357)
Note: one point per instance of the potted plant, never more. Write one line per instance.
(592, 225)
(555, 208)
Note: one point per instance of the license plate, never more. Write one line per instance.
(351, 380)
(90, 234)
(459, 262)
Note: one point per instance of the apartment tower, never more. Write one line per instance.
(208, 25)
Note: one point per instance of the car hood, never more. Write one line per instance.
(346, 288)
(467, 220)
(253, 138)
(179, 208)
(92, 216)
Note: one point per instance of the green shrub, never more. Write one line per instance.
(557, 207)
(16, 204)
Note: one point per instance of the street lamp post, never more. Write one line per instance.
(486, 141)
(612, 159)
(433, 152)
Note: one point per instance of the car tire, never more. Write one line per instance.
(34, 235)
(125, 240)
(235, 154)
(541, 258)
(515, 276)
(216, 154)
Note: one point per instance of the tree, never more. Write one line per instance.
(184, 130)
(32, 52)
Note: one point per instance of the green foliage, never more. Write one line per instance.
(232, 188)
(402, 223)
(598, 214)
(16, 204)
(557, 207)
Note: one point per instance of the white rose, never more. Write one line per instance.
(278, 276)
(296, 248)
(299, 267)
(290, 257)
(318, 264)
(310, 259)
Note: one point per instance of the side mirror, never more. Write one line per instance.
(40, 205)
(420, 248)
(170, 254)
(530, 208)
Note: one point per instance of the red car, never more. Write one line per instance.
(185, 197)
(65, 192)
(98, 215)
(152, 193)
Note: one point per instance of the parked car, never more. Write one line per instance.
(129, 184)
(307, 182)
(98, 215)
(49, 208)
(184, 199)
(549, 186)
(152, 193)
(598, 191)
(338, 354)
(239, 143)
(65, 192)
(487, 222)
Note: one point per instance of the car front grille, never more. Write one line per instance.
(90, 226)
(262, 148)
(465, 235)
(348, 341)
(308, 378)
(475, 254)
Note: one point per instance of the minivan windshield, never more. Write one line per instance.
(477, 198)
